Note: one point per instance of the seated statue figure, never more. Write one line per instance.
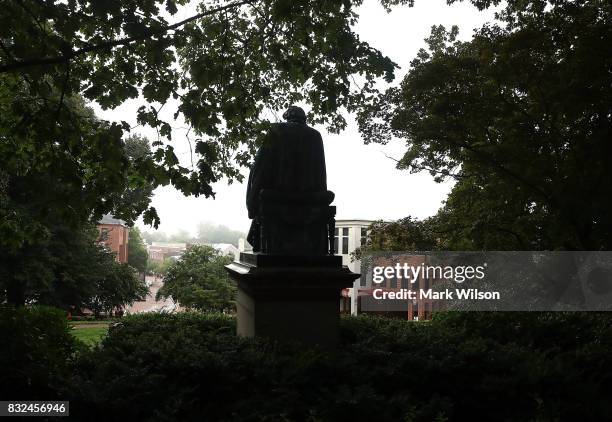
(287, 195)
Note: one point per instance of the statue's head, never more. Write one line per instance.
(295, 114)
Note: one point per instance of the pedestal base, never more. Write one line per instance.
(290, 298)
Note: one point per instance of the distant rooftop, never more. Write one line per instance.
(220, 245)
(169, 245)
(353, 221)
(109, 219)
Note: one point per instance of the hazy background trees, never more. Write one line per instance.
(206, 232)
(217, 233)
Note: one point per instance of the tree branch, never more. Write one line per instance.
(33, 16)
(11, 67)
(456, 176)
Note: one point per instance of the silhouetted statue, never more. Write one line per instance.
(287, 195)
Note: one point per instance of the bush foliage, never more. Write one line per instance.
(191, 366)
(497, 366)
(36, 351)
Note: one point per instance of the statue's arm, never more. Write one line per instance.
(251, 195)
(257, 176)
(321, 159)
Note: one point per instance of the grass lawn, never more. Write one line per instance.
(89, 332)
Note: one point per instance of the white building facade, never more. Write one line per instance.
(226, 249)
(350, 235)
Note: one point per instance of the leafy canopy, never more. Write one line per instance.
(68, 269)
(198, 280)
(223, 69)
(405, 234)
(520, 116)
(137, 251)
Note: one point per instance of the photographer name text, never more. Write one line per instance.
(447, 294)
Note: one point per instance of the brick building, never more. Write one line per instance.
(417, 309)
(159, 251)
(114, 234)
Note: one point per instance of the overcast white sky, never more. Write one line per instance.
(365, 181)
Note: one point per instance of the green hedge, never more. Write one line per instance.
(35, 354)
(498, 366)
(460, 366)
(191, 366)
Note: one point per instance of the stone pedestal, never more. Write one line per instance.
(294, 298)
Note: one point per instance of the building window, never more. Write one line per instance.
(364, 236)
(393, 283)
(341, 239)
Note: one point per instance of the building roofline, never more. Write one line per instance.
(112, 221)
(354, 221)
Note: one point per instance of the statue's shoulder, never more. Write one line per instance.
(289, 127)
(314, 134)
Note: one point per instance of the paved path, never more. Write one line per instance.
(150, 304)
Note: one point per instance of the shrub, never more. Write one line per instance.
(567, 360)
(490, 366)
(36, 350)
